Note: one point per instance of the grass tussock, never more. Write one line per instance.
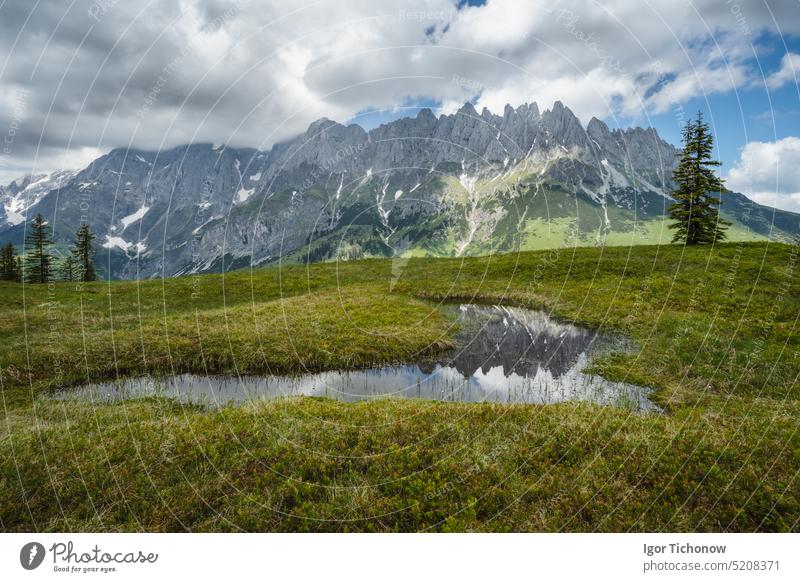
(716, 335)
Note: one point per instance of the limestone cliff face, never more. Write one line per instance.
(449, 185)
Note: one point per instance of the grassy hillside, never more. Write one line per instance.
(536, 216)
(716, 334)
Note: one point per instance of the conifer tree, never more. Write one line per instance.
(8, 263)
(67, 269)
(83, 253)
(38, 260)
(696, 209)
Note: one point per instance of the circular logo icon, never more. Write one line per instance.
(31, 555)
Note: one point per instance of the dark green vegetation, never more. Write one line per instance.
(696, 207)
(38, 260)
(10, 263)
(716, 328)
(82, 256)
(41, 266)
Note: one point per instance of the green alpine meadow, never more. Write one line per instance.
(713, 334)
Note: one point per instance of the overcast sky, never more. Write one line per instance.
(78, 78)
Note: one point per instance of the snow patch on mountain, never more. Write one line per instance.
(26, 192)
(243, 194)
(135, 217)
(116, 242)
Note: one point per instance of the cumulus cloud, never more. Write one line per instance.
(158, 73)
(769, 173)
(790, 64)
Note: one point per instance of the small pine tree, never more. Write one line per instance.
(83, 254)
(18, 271)
(38, 261)
(67, 269)
(8, 263)
(696, 207)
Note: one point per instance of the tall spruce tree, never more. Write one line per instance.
(696, 209)
(8, 263)
(67, 269)
(38, 260)
(83, 253)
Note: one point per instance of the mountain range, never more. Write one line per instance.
(468, 183)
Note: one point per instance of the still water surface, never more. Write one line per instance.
(503, 354)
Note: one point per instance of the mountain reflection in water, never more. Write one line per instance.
(503, 354)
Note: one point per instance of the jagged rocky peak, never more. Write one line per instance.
(26, 192)
(525, 111)
(425, 115)
(320, 125)
(601, 140)
(563, 126)
(326, 129)
(516, 123)
(19, 184)
(462, 136)
(597, 128)
(468, 109)
(251, 204)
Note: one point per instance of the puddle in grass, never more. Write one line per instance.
(503, 354)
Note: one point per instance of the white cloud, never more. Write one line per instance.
(769, 173)
(788, 73)
(79, 157)
(252, 73)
